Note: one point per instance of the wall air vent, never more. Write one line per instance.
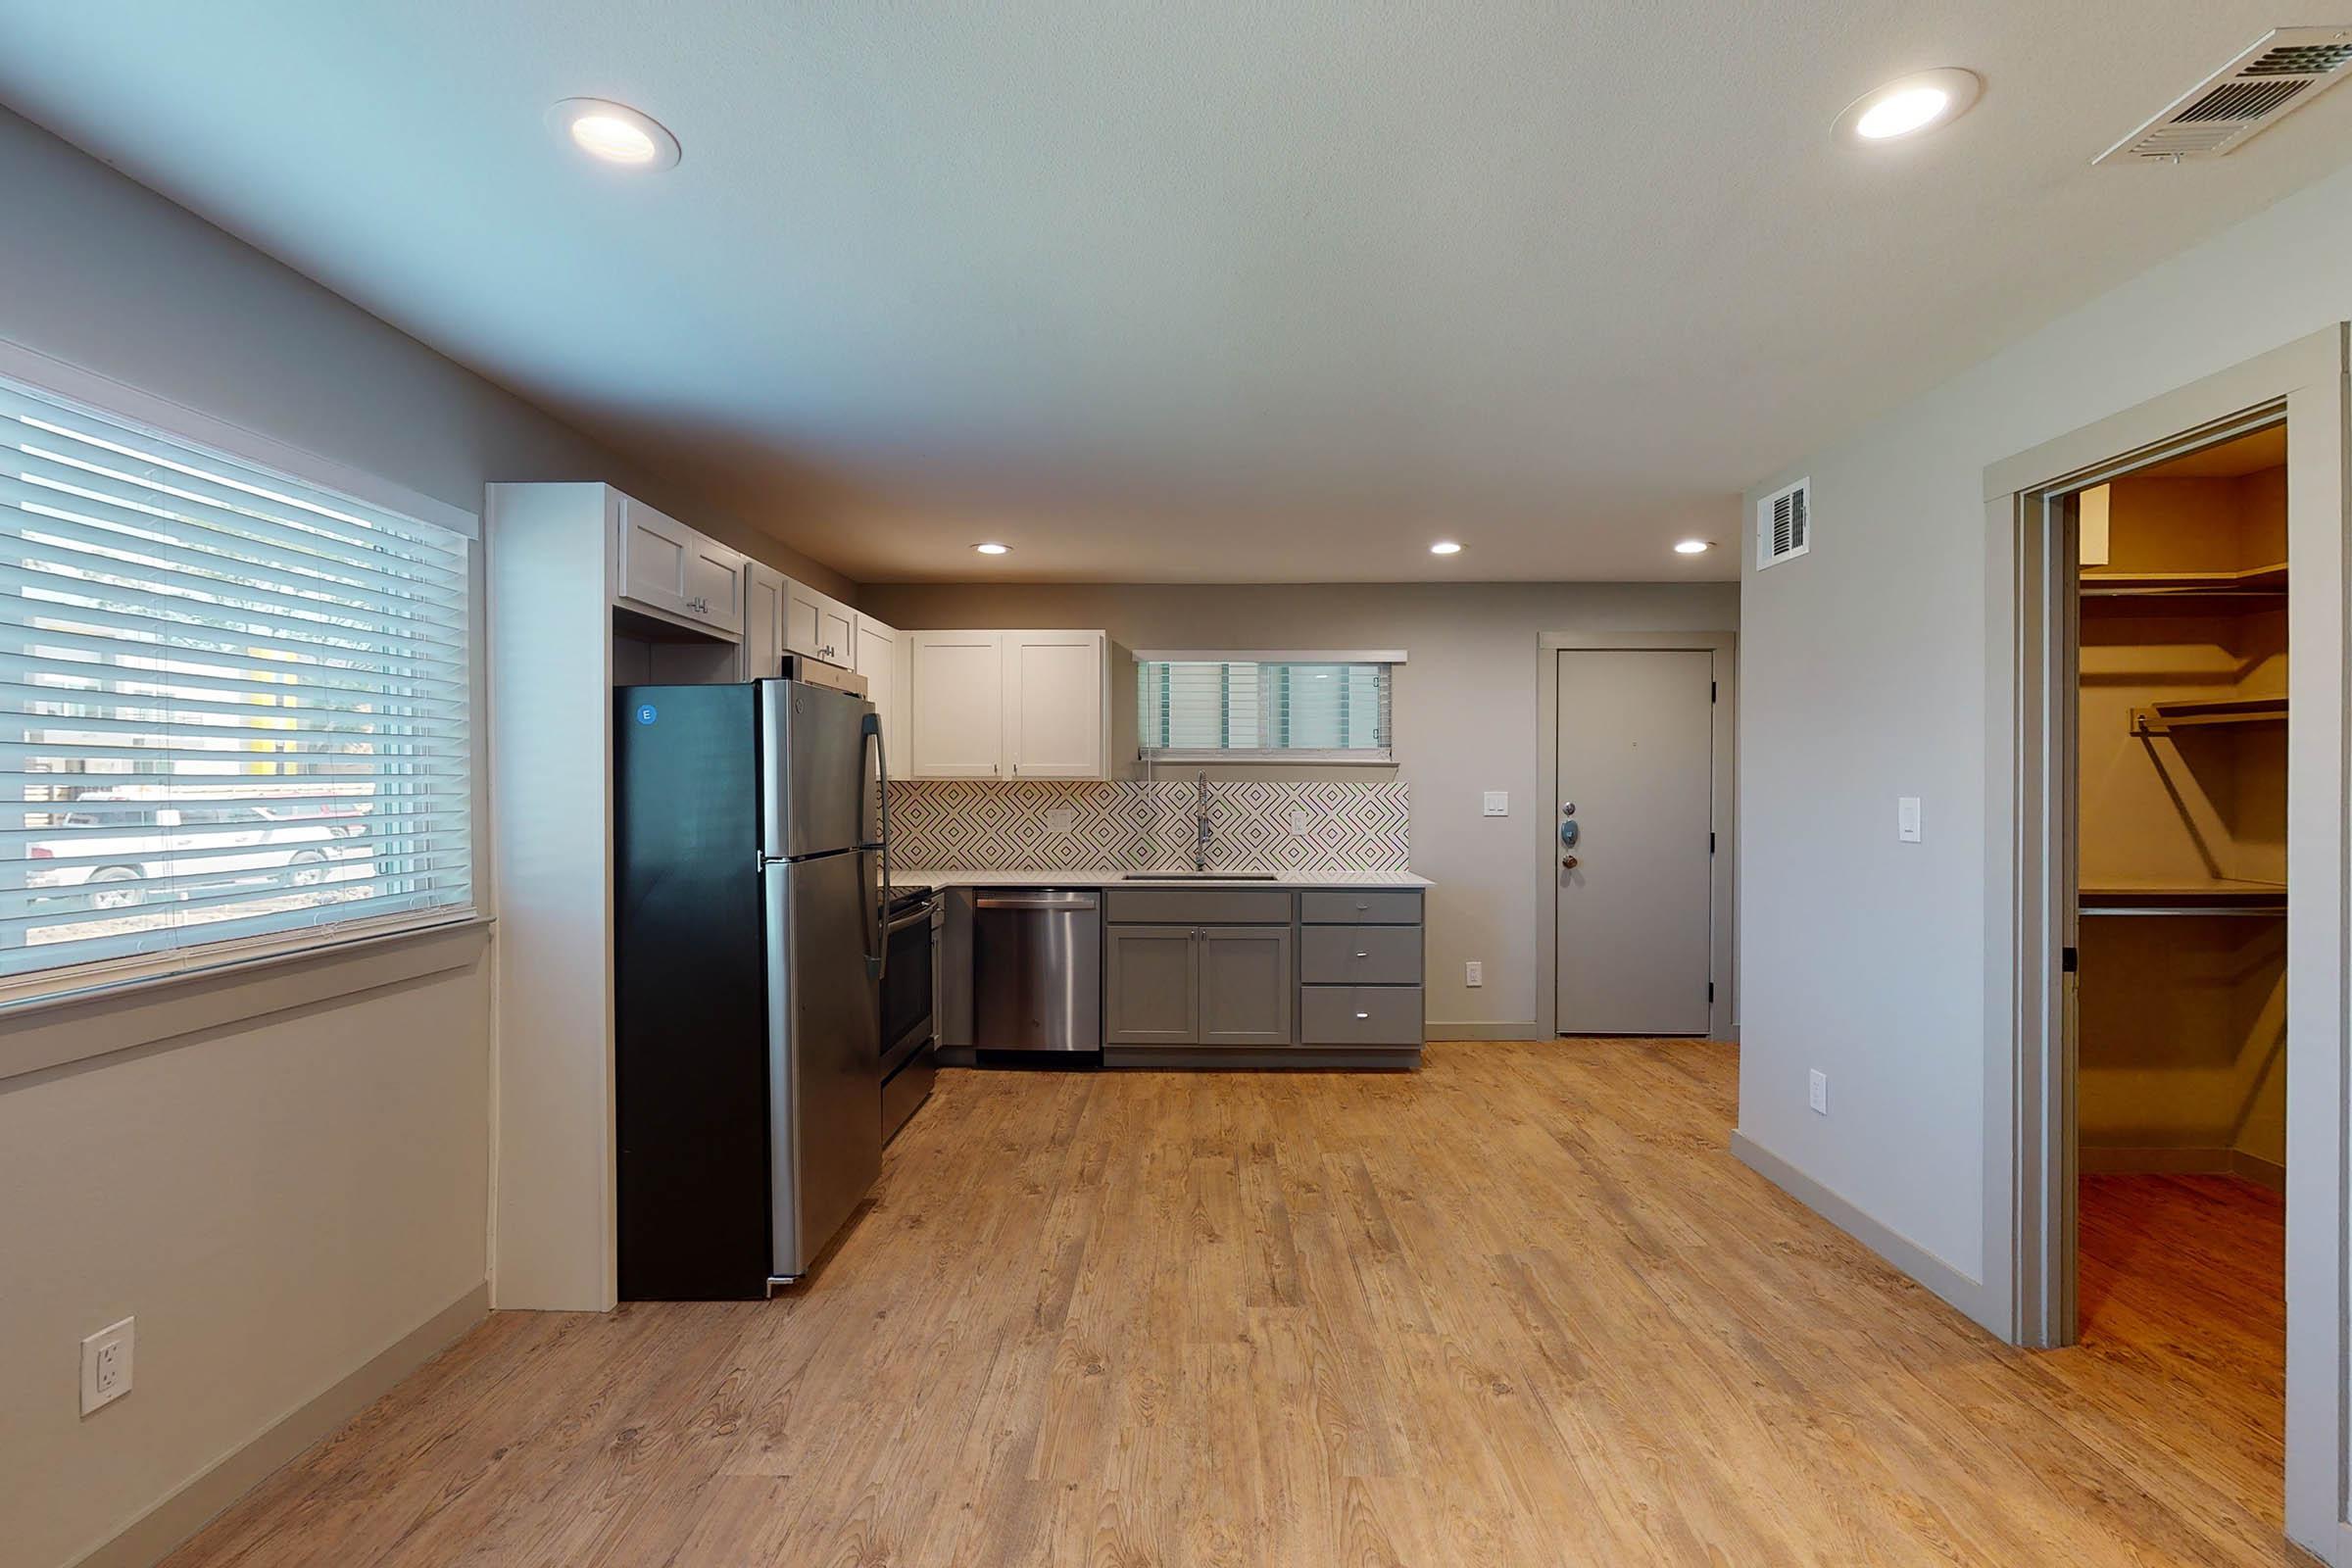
(2284, 70)
(1785, 524)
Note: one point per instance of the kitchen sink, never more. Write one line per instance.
(1198, 876)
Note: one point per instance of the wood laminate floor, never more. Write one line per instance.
(1519, 1309)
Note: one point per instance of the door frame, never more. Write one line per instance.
(1722, 954)
(2030, 1133)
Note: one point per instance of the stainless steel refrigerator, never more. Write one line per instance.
(747, 1070)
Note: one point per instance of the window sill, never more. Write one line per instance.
(60, 1029)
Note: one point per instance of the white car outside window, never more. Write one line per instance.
(120, 852)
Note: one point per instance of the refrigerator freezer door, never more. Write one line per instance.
(814, 768)
(826, 1054)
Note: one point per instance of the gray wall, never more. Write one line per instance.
(1863, 678)
(278, 1201)
(1465, 720)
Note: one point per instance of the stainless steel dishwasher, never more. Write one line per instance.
(1037, 970)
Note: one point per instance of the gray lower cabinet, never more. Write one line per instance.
(1245, 985)
(1170, 985)
(1151, 985)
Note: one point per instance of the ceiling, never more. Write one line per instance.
(1213, 291)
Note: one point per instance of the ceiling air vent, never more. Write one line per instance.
(2285, 69)
(1785, 524)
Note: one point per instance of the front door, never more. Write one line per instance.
(1636, 764)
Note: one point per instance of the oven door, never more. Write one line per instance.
(906, 984)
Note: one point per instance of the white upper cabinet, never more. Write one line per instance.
(819, 626)
(956, 712)
(670, 570)
(882, 660)
(1007, 705)
(763, 589)
(1054, 683)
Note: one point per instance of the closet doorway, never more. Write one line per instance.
(2090, 702)
(2179, 843)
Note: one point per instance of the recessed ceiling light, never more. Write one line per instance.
(1907, 106)
(1693, 547)
(613, 133)
(992, 548)
(1446, 546)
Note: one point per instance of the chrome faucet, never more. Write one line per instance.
(1200, 822)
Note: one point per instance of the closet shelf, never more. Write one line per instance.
(2254, 583)
(2219, 896)
(2162, 718)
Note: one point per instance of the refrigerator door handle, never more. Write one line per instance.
(877, 958)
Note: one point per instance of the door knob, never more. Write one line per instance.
(1567, 863)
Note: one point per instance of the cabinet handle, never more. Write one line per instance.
(1363, 954)
(1363, 1015)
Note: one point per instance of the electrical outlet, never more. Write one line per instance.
(106, 1365)
(1302, 821)
(1499, 803)
(1474, 973)
(1061, 819)
(1906, 818)
(1817, 1091)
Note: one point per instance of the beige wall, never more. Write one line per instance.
(1465, 720)
(278, 1201)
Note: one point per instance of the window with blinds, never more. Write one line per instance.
(234, 708)
(1298, 709)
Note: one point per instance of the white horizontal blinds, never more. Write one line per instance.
(1264, 708)
(233, 707)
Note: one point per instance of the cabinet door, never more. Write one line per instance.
(714, 582)
(762, 623)
(1053, 696)
(1151, 985)
(956, 705)
(835, 632)
(881, 661)
(1245, 985)
(674, 571)
(803, 619)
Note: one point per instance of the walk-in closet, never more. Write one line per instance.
(2181, 838)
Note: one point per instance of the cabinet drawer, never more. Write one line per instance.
(1367, 955)
(1341, 906)
(1359, 1015)
(1197, 906)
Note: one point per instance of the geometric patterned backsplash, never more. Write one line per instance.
(1135, 826)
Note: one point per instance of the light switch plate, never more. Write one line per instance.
(1817, 1091)
(106, 1364)
(1906, 818)
(1474, 973)
(1302, 821)
(1061, 819)
(1499, 803)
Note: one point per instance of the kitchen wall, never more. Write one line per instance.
(1465, 722)
(1864, 677)
(277, 1200)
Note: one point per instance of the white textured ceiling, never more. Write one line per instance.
(1218, 290)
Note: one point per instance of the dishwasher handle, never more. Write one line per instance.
(1036, 901)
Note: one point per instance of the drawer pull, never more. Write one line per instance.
(1363, 1015)
(1363, 954)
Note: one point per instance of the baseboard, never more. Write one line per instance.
(147, 1539)
(2168, 1159)
(1966, 1295)
(1481, 1031)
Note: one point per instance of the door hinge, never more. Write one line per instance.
(1710, 990)
(1711, 691)
(2069, 961)
(1711, 844)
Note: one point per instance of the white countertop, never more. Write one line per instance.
(966, 878)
